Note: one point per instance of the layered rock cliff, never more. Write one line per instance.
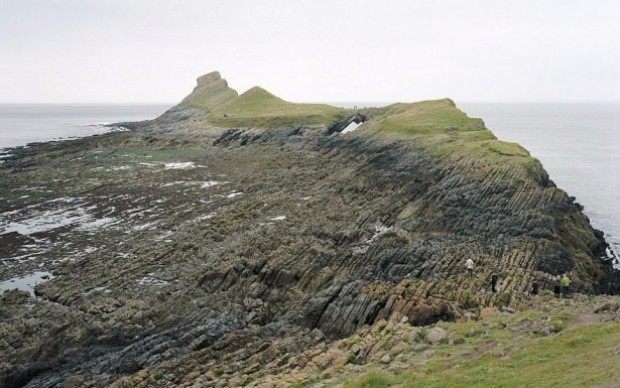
(243, 227)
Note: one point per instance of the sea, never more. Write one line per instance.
(21, 124)
(578, 144)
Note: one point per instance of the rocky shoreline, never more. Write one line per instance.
(196, 239)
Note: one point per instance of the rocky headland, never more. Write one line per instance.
(240, 231)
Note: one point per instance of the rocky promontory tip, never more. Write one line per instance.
(211, 90)
(208, 78)
(238, 231)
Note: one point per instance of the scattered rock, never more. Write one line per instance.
(508, 310)
(75, 381)
(435, 335)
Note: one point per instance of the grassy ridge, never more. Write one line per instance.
(437, 127)
(259, 108)
(207, 98)
(440, 129)
(427, 117)
(441, 126)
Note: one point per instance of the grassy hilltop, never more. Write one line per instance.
(213, 102)
(259, 108)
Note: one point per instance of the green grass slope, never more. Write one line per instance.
(440, 129)
(259, 108)
(580, 349)
(579, 357)
(207, 97)
(427, 117)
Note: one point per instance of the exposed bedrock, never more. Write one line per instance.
(188, 246)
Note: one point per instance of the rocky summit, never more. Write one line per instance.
(237, 230)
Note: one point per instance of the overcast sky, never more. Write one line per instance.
(321, 50)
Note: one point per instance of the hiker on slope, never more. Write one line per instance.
(469, 264)
(565, 285)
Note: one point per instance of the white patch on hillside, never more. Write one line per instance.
(351, 127)
(380, 230)
(207, 184)
(203, 185)
(205, 217)
(149, 280)
(98, 223)
(179, 166)
(119, 168)
(362, 247)
(103, 290)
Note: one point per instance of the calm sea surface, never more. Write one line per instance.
(579, 144)
(22, 124)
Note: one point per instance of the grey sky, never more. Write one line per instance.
(321, 50)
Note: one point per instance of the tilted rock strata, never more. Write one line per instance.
(219, 240)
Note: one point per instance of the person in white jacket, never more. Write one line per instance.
(469, 264)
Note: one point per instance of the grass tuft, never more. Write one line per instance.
(372, 379)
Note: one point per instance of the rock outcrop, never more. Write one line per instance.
(189, 240)
(211, 91)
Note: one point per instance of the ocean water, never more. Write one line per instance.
(23, 124)
(578, 144)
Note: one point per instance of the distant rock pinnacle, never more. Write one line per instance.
(209, 78)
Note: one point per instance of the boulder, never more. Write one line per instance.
(435, 335)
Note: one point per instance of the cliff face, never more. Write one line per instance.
(192, 240)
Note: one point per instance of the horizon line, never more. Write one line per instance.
(348, 102)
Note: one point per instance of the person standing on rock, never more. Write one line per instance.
(565, 285)
(557, 287)
(469, 264)
(494, 279)
(535, 287)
